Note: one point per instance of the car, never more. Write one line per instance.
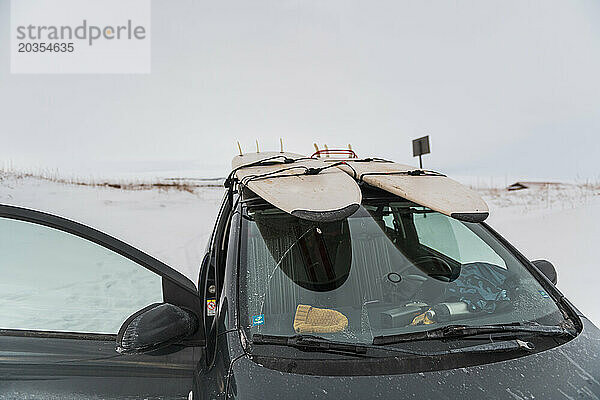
(394, 301)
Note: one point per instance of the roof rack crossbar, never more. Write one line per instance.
(338, 152)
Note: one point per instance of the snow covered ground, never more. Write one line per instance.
(170, 224)
(559, 223)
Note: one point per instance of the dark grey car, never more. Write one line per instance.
(396, 301)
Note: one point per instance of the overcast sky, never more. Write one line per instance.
(505, 88)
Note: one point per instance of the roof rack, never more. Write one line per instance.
(348, 153)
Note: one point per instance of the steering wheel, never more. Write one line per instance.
(435, 267)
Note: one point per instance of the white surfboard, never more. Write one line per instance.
(431, 190)
(329, 195)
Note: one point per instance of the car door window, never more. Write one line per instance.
(56, 281)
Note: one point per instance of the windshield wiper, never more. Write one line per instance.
(309, 343)
(457, 331)
(507, 345)
(318, 344)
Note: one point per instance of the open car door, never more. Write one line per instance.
(65, 292)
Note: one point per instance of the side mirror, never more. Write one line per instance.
(547, 269)
(155, 327)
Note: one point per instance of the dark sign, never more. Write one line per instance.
(421, 146)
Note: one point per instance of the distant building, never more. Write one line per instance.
(531, 185)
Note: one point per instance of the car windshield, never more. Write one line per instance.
(393, 267)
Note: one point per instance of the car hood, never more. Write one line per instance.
(571, 370)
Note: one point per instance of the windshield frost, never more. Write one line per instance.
(392, 267)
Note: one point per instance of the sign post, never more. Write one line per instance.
(420, 147)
